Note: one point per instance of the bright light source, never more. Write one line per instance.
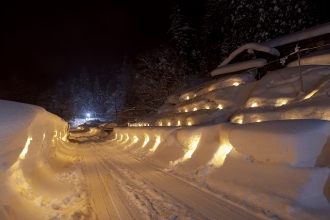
(186, 110)
(195, 109)
(189, 123)
(220, 156)
(88, 115)
(240, 121)
(187, 98)
(207, 107)
(258, 120)
(235, 84)
(146, 140)
(219, 106)
(168, 123)
(254, 105)
(26, 148)
(179, 123)
(156, 144)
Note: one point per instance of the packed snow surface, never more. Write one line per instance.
(317, 58)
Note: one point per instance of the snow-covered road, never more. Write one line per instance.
(123, 187)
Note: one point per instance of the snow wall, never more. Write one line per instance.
(35, 164)
(282, 166)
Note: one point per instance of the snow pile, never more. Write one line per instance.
(317, 58)
(277, 167)
(39, 173)
(251, 47)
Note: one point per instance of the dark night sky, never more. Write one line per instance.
(44, 41)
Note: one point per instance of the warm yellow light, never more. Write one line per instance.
(121, 137)
(135, 139)
(44, 135)
(127, 138)
(254, 105)
(186, 110)
(156, 144)
(219, 106)
(26, 148)
(207, 107)
(258, 120)
(55, 135)
(310, 94)
(179, 123)
(160, 123)
(240, 121)
(220, 156)
(189, 123)
(195, 109)
(194, 140)
(146, 140)
(235, 84)
(168, 123)
(187, 98)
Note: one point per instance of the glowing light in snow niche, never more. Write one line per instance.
(168, 123)
(127, 138)
(121, 137)
(219, 106)
(258, 120)
(135, 139)
(220, 156)
(235, 84)
(195, 109)
(115, 136)
(189, 123)
(187, 98)
(160, 123)
(156, 144)
(240, 121)
(207, 107)
(281, 102)
(179, 123)
(193, 142)
(146, 140)
(254, 105)
(310, 94)
(26, 148)
(55, 135)
(186, 110)
(44, 135)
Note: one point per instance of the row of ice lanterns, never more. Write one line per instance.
(234, 84)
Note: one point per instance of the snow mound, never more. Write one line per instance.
(39, 169)
(250, 47)
(295, 142)
(275, 167)
(317, 58)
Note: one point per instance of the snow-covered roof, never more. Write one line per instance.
(300, 35)
(250, 47)
(239, 66)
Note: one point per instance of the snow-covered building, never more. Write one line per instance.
(275, 53)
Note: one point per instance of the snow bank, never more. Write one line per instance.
(275, 168)
(36, 176)
(296, 142)
(229, 68)
(250, 47)
(317, 58)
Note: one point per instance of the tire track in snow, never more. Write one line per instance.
(203, 204)
(105, 200)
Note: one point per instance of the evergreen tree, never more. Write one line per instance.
(184, 38)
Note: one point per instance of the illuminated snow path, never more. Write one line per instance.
(123, 187)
